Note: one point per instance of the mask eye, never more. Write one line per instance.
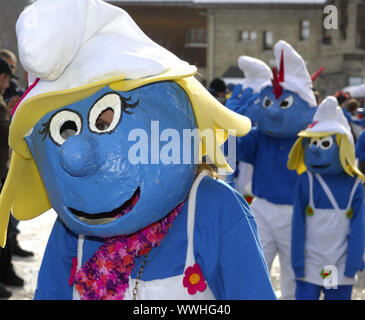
(326, 143)
(313, 142)
(63, 125)
(287, 102)
(105, 114)
(266, 103)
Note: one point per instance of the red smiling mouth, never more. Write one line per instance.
(98, 218)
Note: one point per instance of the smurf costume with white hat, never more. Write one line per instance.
(357, 91)
(328, 233)
(135, 219)
(282, 104)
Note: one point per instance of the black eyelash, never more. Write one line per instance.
(45, 131)
(126, 105)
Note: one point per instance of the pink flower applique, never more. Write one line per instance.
(194, 280)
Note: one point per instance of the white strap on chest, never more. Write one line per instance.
(310, 179)
(80, 246)
(191, 219)
(328, 191)
(356, 184)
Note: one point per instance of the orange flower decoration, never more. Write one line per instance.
(194, 280)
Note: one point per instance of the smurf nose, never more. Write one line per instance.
(315, 149)
(79, 156)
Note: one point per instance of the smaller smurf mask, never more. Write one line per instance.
(322, 155)
(327, 145)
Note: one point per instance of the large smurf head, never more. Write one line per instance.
(108, 161)
(286, 102)
(105, 134)
(327, 145)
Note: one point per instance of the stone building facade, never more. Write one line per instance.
(213, 33)
(252, 27)
(339, 50)
(181, 29)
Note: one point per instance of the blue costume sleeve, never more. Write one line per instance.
(300, 201)
(356, 242)
(247, 147)
(227, 246)
(56, 265)
(360, 147)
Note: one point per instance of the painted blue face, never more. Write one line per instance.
(283, 117)
(321, 155)
(113, 162)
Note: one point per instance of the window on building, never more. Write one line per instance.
(304, 30)
(268, 40)
(196, 38)
(326, 36)
(247, 35)
(253, 35)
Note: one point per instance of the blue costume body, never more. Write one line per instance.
(328, 226)
(271, 178)
(280, 103)
(229, 220)
(340, 186)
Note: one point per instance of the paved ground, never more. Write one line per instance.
(34, 235)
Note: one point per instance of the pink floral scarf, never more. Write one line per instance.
(105, 276)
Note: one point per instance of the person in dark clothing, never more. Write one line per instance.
(13, 93)
(217, 88)
(11, 96)
(8, 276)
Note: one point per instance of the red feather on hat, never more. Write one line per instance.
(278, 77)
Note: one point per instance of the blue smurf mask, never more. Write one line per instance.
(283, 117)
(322, 155)
(113, 162)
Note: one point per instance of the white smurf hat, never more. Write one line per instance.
(292, 75)
(356, 91)
(329, 118)
(293, 72)
(257, 73)
(99, 41)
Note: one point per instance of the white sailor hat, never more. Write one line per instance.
(329, 118)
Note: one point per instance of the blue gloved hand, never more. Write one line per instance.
(241, 101)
